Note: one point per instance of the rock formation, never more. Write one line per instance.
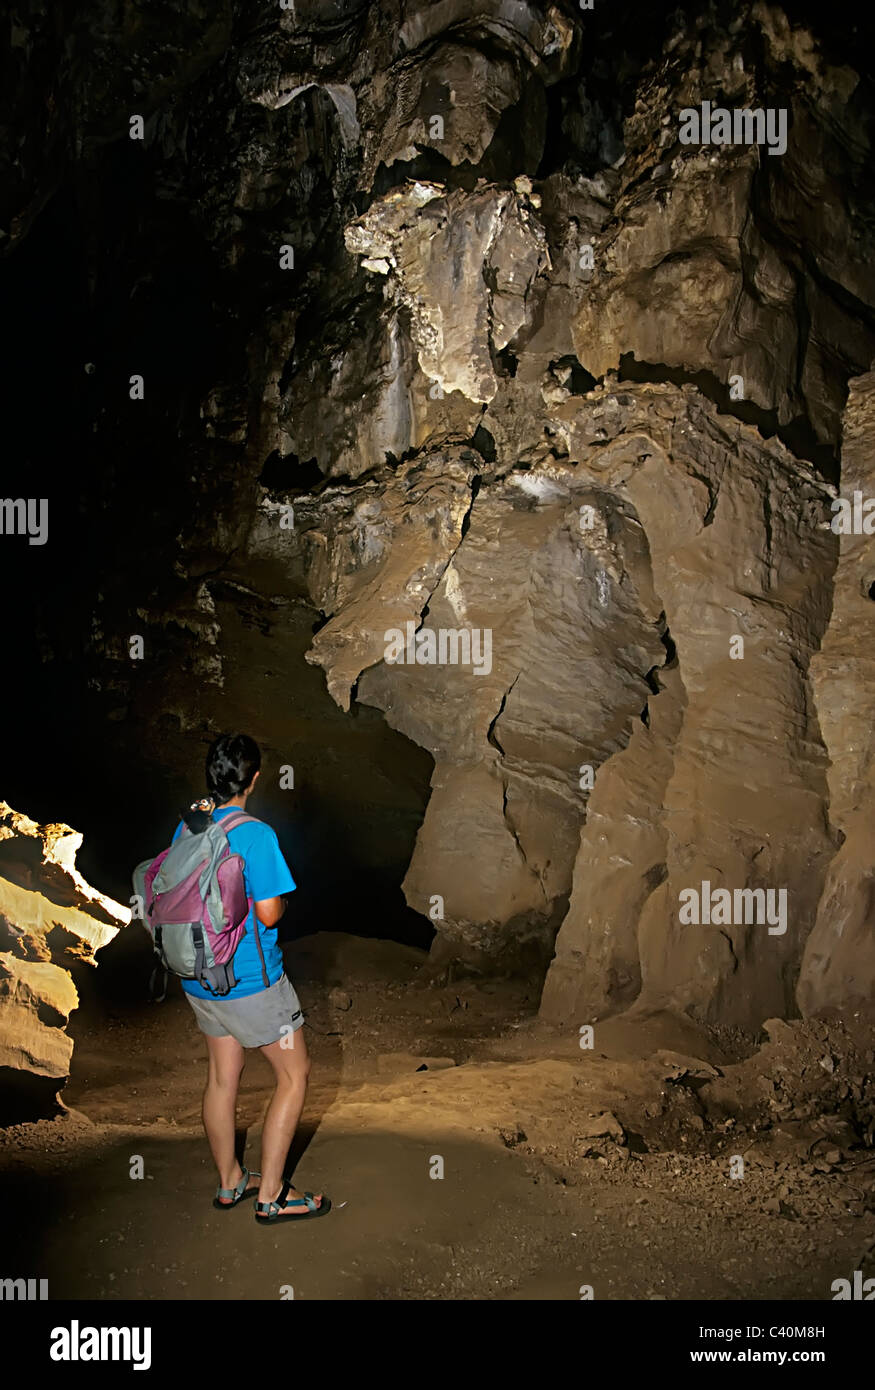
(50, 920)
(838, 968)
(447, 336)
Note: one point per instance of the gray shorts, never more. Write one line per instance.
(256, 1020)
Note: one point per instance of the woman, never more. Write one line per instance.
(262, 1009)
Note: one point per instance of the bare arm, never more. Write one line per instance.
(270, 910)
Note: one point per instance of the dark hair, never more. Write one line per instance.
(232, 762)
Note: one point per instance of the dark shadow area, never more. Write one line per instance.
(579, 381)
(25, 1097)
(290, 474)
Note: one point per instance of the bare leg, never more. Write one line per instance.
(291, 1064)
(226, 1062)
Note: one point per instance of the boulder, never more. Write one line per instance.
(51, 920)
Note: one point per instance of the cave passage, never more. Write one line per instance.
(325, 322)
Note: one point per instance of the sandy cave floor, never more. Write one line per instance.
(533, 1204)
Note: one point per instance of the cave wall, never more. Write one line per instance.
(51, 924)
(725, 782)
(838, 967)
(535, 368)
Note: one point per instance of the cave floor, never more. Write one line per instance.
(528, 1206)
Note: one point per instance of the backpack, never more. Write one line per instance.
(194, 905)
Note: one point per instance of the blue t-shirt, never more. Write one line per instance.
(265, 875)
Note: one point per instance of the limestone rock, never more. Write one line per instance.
(838, 968)
(710, 247)
(463, 266)
(36, 1000)
(50, 918)
(738, 810)
(605, 1126)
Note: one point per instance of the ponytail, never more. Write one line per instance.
(199, 815)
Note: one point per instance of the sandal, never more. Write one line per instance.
(236, 1194)
(267, 1212)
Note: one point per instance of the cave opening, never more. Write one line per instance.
(574, 376)
(347, 825)
(284, 473)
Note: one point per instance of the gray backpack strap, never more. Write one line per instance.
(264, 974)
